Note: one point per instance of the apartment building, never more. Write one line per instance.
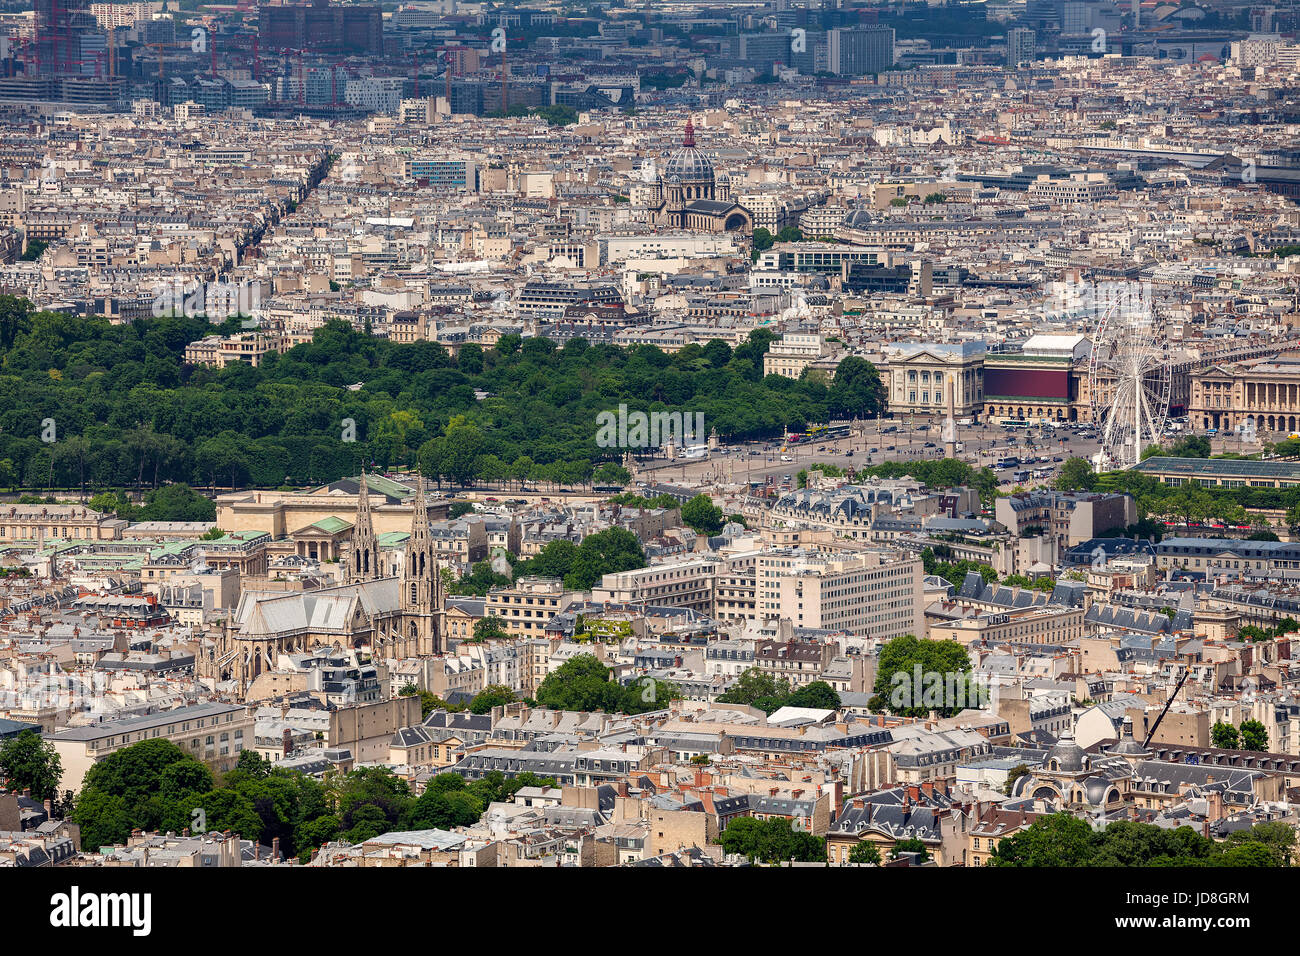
(1068, 517)
(75, 522)
(1272, 560)
(795, 662)
(687, 583)
(1027, 625)
(526, 608)
(793, 353)
(214, 733)
(220, 351)
(1073, 189)
(872, 594)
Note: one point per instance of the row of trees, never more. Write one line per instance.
(1065, 840)
(1251, 735)
(583, 684)
(1189, 503)
(579, 566)
(154, 785)
(493, 695)
(754, 688)
(85, 403)
(771, 841)
(938, 561)
(946, 685)
(937, 473)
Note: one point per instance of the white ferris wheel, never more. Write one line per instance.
(1129, 380)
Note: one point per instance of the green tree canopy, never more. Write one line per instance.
(771, 841)
(702, 515)
(28, 762)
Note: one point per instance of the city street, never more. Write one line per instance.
(980, 445)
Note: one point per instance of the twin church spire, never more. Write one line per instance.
(423, 597)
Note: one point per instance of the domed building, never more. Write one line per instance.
(687, 195)
(1073, 779)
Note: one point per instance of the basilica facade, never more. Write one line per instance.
(390, 616)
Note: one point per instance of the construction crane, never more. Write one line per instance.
(334, 82)
(1187, 672)
(244, 48)
(160, 47)
(20, 50)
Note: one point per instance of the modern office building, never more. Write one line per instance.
(320, 26)
(1021, 42)
(870, 594)
(443, 172)
(861, 50)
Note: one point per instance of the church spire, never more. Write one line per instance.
(363, 562)
(689, 140)
(422, 594)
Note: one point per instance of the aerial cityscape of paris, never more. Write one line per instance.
(841, 435)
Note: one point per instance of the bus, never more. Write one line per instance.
(827, 432)
(1020, 477)
(1016, 423)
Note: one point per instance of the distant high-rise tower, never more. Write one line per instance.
(1021, 43)
(60, 25)
(861, 50)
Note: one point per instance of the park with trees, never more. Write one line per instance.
(129, 413)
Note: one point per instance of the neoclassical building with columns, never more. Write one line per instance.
(1266, 391)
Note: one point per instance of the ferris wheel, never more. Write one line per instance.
(1130, 381)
